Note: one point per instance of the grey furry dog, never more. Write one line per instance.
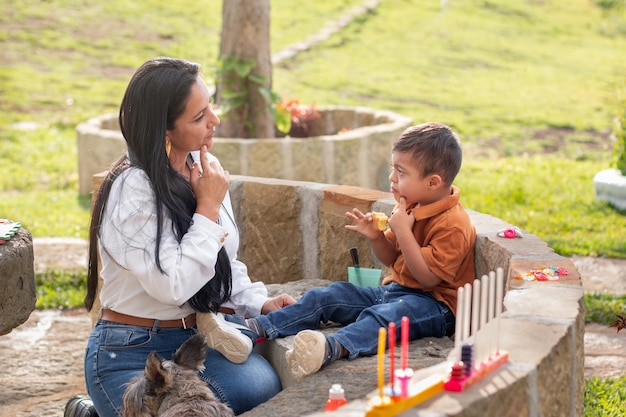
(173, 388)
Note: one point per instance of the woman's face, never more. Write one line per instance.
(196, 125)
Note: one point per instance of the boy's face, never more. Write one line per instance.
(406, 181)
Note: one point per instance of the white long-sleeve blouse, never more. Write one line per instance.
(132, 282)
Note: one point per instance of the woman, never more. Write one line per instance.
(165, 231)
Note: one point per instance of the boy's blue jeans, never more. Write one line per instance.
(361, 311)
(118, 352)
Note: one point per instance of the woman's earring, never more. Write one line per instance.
(168, 147)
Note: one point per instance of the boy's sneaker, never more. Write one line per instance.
(226, 337)
(239, 322)
(310, 353)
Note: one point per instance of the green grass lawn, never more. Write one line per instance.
(605, 397)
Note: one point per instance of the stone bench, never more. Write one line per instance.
(293, 238)
(295, 231)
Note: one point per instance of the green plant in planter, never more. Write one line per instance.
(236, 75)
(620, 323)
(619, 152)
(300, 118)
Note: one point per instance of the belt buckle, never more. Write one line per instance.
(184, 320)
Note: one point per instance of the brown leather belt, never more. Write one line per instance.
(114, 316)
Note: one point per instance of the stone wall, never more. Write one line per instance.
(348, 145)
(294, 231)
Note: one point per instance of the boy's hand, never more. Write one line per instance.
(276, 303)
(401, 219)
(363, 224)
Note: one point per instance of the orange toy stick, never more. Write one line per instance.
(382, 336)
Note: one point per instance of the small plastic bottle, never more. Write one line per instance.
(336, 398)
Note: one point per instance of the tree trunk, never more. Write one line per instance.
(245, 35)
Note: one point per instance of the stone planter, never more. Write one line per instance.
(610, 185)
(348, 145)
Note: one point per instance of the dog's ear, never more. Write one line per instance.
(192, 353)
(156, 374)
(134, 401)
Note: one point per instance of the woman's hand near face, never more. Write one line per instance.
(211, 187)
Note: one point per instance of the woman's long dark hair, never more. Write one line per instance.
(155, 97)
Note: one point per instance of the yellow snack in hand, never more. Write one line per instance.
(380, 220)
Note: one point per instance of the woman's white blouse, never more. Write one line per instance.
(132, 282)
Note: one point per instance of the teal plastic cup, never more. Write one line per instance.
(364, 277)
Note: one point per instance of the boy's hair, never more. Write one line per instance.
(434, 148)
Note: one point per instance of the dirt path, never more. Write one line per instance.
(42, 363)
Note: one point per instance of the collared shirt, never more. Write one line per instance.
(132, 282)
(446, 236)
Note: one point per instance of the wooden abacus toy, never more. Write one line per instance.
(476, 351)
(476, 343)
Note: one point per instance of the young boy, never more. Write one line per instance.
(429, 247)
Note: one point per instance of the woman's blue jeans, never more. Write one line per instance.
(361, 311)
(117, 352)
